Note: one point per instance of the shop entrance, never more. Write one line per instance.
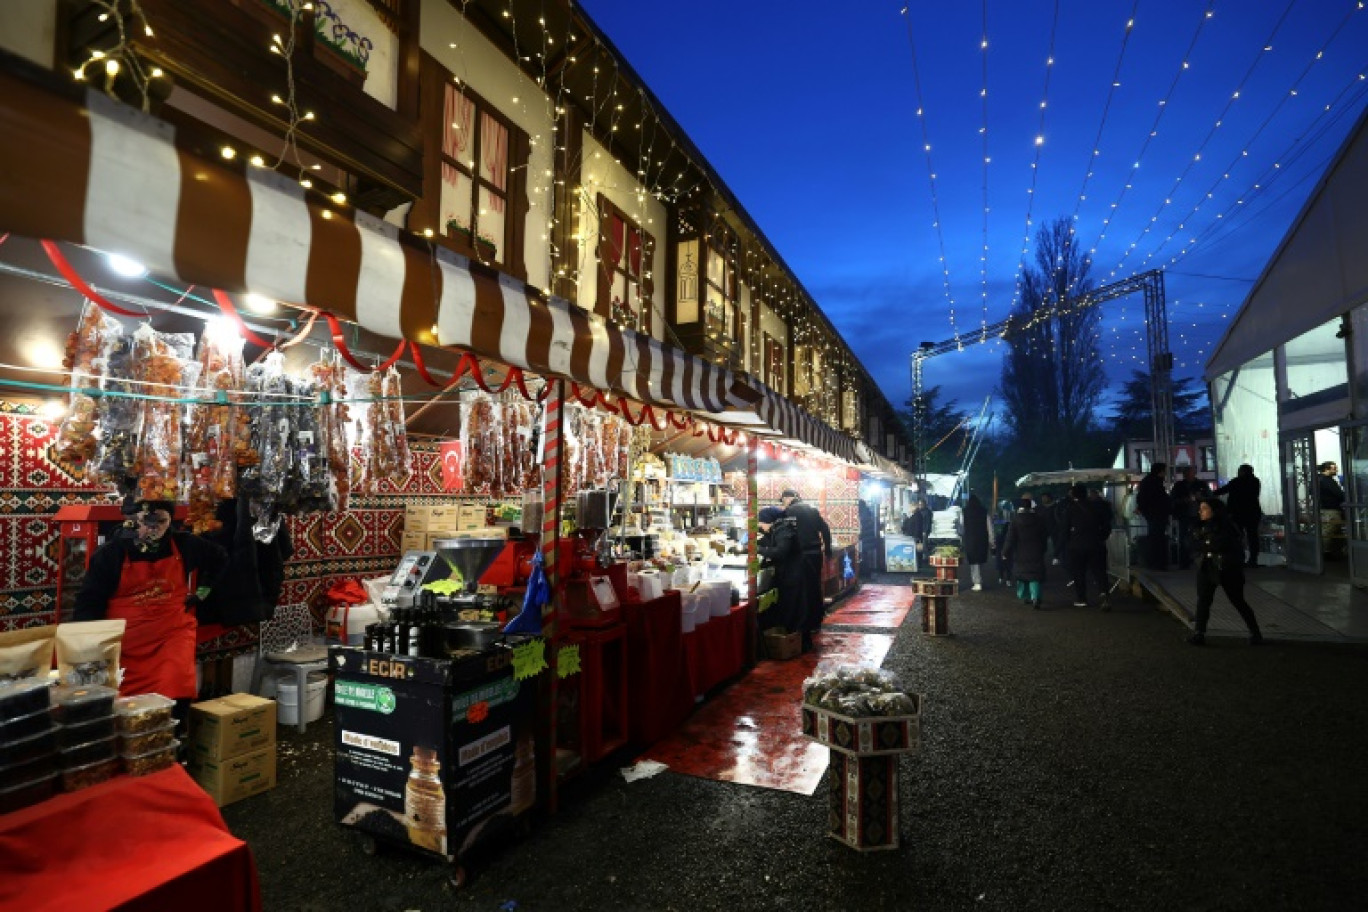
(1355, 469)
(1299, 498)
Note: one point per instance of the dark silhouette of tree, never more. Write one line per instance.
(941, 421)
(1052, 377)
(1134, 409)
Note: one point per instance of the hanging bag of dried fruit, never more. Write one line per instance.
(164, 371)
(86, 363)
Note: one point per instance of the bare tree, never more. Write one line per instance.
(1052, 377)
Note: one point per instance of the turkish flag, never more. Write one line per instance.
(453, 466)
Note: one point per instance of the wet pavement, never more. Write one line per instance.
(1070, 759)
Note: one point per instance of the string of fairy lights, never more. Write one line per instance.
(1039, 145)
(1213, 226)
(931, 174)
(1259, 56)
(987, 160)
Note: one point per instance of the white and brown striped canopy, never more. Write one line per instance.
(96, 172)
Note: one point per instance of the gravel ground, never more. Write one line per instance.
(1070, 760)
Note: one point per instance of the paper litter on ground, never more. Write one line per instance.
(643, 770)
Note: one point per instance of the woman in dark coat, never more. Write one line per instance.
(1025, 548)
(1220, 559)
(778, 548)
(977, 538)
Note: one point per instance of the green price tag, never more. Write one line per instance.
(568, 661)
(529, 659)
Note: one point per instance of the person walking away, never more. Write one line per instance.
(920, 528)
(1025, 549)
(1187, 492)
(1220, 558)
(977, 538)
(154, 579)
(1152, 502)
(814, 540)
(1087, 525)
(1242, 503)
(778, 548)
(1046, 509)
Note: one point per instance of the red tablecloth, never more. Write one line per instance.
(152, 842)
(716, 651)
(659, 698)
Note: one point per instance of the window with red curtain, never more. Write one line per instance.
(625, 284)
(475, 171)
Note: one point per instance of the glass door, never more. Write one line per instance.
(1299, 495)
(1356, 505)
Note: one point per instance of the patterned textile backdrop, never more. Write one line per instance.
(835, 494)
(362, 543)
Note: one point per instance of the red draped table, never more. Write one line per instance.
(152, 842)
(716, 651)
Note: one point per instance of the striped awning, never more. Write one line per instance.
(799, 427)
(89, 170)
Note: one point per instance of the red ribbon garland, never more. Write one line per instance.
(340, 343)
(70, 274)
(469, 364)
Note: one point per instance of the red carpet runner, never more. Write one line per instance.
(750, 733)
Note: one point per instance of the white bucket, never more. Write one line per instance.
(287, 700)
(699, 602)
(686, 616)
(717, 594)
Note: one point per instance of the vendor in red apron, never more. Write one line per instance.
(153, 578)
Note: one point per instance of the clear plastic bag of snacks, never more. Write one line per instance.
(210, 441)
(119, 416)
(165, 371)
(330, 383)
(85, 360)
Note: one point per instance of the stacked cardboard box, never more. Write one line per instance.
(232, 746)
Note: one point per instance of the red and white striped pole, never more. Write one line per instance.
(553, 489)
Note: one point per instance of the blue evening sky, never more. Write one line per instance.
(809, 112)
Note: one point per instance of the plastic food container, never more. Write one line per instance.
(150, 761)
(143, 741)
(81, 704)
(88, 753)
(79, 777)
(22, 726)
(24, 697)
(23, 750)
(14, 796)
(144, 712)
(69, 736)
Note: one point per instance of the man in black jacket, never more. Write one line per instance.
(1087, 526)
(1186, 494)
(1242, 500)
(1152, 502)
(814, 540)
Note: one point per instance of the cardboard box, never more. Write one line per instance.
(413, 541)
(415, 518)
(471, 516)
(446, 518)
(231, 726)
(781, 647)
(237, 777)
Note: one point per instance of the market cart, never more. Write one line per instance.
(434, 755)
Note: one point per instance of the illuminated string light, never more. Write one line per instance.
(931, 176)
(120, 59)
(1243, 152)
(1196, 157)
(1035, 163)
(983, 130)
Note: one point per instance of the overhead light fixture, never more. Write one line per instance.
(52, 409)
(259, 304)
(128, 268)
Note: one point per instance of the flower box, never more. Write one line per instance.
(481, 248)
(864, 735)
(935, 587)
